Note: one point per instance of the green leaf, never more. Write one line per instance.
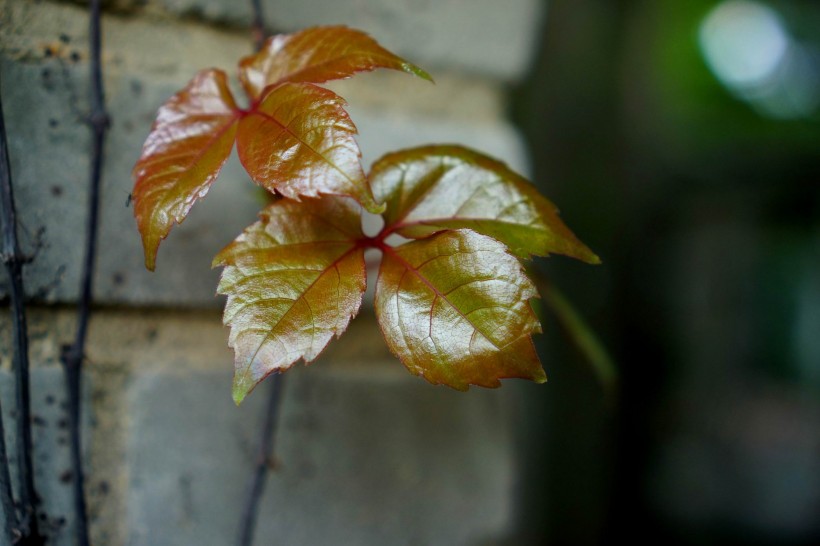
(185, 150)
(432, 188)
(455, 309)
(293, 280)
(317, 55)
(299, 141)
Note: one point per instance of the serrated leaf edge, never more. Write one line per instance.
(534, 294)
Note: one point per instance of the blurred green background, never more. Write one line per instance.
(684, 137)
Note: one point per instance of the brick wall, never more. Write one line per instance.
(367, 454)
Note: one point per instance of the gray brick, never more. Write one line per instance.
(386, 461)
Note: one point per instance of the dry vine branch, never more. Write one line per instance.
(262, 463)
(10, 520)
(267, 433)
(26, 520)
(6, 499)
(72, 355)
(258, 25)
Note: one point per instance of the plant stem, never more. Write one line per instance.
(6, 499)
(258, 25)
(13, 259)
(72, 356)
(581, 334)
(263, 457)
(256, 484)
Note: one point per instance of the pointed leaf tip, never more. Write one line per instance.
(151, 259)
(431, 188)
(182, 156)
(410, 68)
(317, 55)
(243, 384)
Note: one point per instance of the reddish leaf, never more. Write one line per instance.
(455, 309)
(300, 141)
(317, 55)
(432, 188)
(188, 144)
(293, 281)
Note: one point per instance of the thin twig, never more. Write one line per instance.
(258, 25)
(6, 500)
(264, 454)
(267, 434)
(14, 259)
(72, 356)
(10, 520)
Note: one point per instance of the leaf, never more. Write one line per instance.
(317, 55)
(182, 156)
(432, 188)
(455, 309)
(293, 280)
(300, 141)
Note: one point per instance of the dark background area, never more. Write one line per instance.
(684, 137)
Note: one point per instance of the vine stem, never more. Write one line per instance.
(26, 520)
(72, 355)
(267, 434)
(581, 334)
(256, 484)
(258, 25)
(6, 499)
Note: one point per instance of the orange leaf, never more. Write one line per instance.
(299, 141)
(455, 309)
(182, 156)
(293, 281)
(432, 188)
(317, 55)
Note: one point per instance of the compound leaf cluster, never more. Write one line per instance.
(452, 300)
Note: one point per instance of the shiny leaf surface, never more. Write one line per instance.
(317, 55)
(185, 150)
(300, 141)
(293, 280)
(432, 188)
(455, 309)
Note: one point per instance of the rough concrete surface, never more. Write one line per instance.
(52, 460)
(366, 453)
(358, 462)
(146, 62)
(481, 36)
